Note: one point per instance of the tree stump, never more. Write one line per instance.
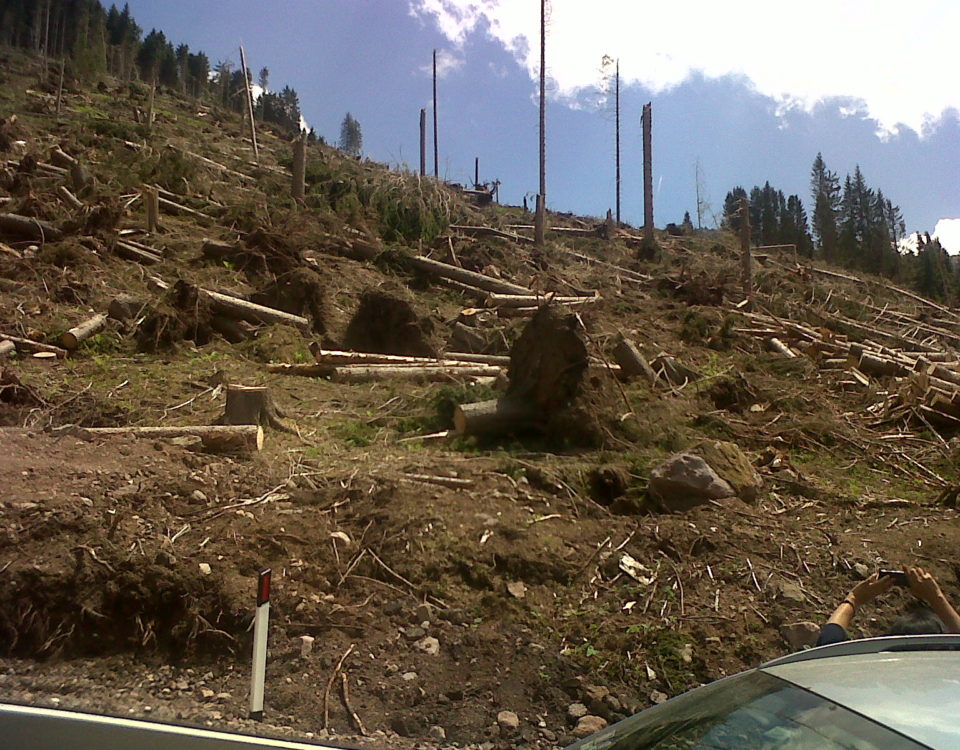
(248, 404)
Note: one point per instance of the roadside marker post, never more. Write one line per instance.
(261, 623)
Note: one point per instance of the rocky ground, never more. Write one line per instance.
(542, 589)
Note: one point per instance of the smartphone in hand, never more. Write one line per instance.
(898, 576)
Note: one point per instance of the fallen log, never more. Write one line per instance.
(779, 347)
(213, 437)
(14, 226)
(489, 232)
(72, 339)
(625, 272)
(30, 346)
(166, 202)
(69, 198)
(452, 482)
(471, 278)
(632, 362)
(339, 357)
(870, 364)
(486, 359)
(251, 311)
(130, 252)
(62, 159)
(531, 300)
(416, 373)
(492, 418)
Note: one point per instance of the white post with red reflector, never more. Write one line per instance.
(261, 622)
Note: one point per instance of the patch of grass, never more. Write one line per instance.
(357, 434)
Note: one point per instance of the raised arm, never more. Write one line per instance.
(925, 587)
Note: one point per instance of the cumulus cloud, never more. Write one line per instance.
(894, 61)
(948, 232)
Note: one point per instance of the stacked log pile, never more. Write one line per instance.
(915, 378)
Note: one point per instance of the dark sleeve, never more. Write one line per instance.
(831, 633)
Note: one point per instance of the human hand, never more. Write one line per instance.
(869, 589)
(923, 585)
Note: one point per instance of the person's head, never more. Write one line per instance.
(916, 620)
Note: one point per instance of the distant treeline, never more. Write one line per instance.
(93, 41)
(853, 225)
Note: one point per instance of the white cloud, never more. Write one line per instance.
(897, 59)
(948, 232)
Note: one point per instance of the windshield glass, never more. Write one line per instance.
(754, 711)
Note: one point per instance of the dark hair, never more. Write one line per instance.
(916, 621)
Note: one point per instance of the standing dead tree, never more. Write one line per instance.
(647, 120)
(540, 221)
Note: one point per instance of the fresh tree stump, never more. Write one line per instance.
(632, 362)
(251, 405)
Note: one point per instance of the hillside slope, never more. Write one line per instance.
(469, 576)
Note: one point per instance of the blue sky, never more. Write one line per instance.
(733, 85)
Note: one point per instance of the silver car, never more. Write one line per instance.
(895, 693)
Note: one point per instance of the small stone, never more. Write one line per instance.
(800, 634)
(588, 725)
(392, 608)
(613, 703)
(198, 496)
(223, 697)
(423, 613)
(428, 645)
(205, 569)
(548, 735)
(862, 570)
(595, 692)
(409, 676)
(686, 653)
(508, 722)
(657, 697)
(413, 633)
(788, 591)
(576, 711)
(516, 589)
(437, 733)
(306, 645)
(206, 694)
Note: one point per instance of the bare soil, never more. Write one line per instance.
(129, 566)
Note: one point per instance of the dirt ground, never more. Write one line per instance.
(129, 565)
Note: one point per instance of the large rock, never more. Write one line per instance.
(733, 466)
(800, 634)
(684, 481)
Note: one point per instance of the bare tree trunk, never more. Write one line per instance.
(647, 175)
(153, 90)
(299, 166)
(539, 222)
(617, 107)
(436, 148)
(542, 197)
(60, 88)
(423, 143)
(151, 199)
(746, 266)
(249, 97)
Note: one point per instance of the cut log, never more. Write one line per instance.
(251, 405)
(632, 362)
(16, 227)
(179, 208)
(451, 359)
(415, 373)
(478, 280)
(30, 346)
(624, 272)
(214, 437)
(252, 312)
(871, 364)
(62, 159)
(7, 347)
(453, 482)
(72, 339)
(69, 198)
(130, 252)
(486, 359)
(492, 418)
(303, 370)
(489, 232)
(535, 300)
(776, 345)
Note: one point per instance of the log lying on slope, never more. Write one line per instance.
(72, 339)
(213, 437)
(16, 227)
(416, 373)
(8, 343)
(251, 311)
(365, 251)
(535, 300)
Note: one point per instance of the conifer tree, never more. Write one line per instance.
(351, 139)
